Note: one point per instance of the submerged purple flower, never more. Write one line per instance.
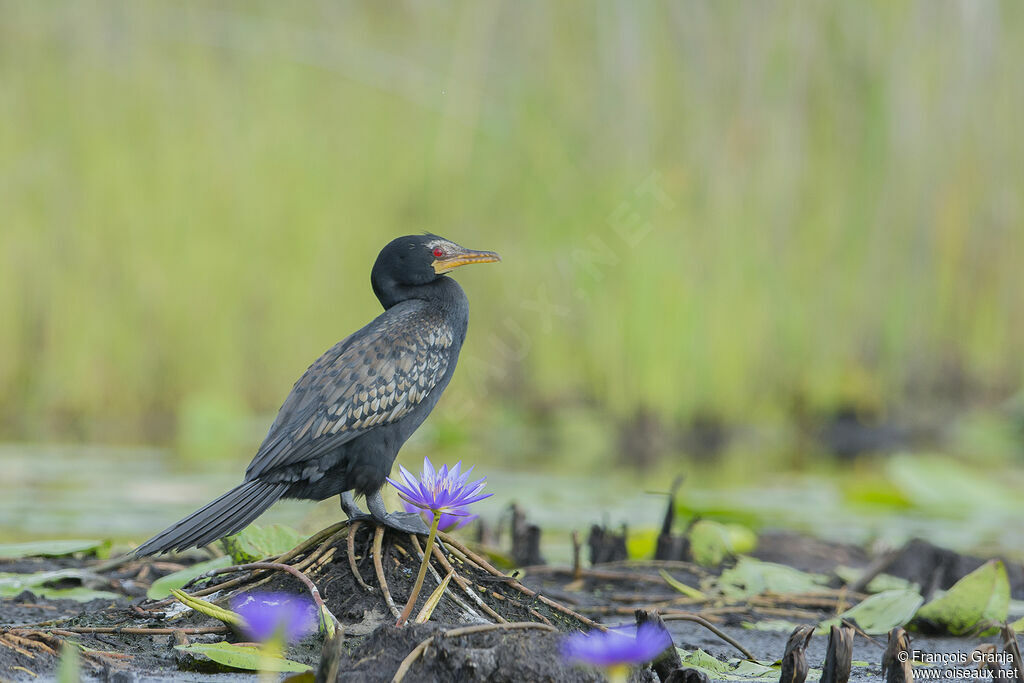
(440, 491)
(456, 519)
(267, 614)
(617, 646)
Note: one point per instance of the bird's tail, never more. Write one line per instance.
(230, 513)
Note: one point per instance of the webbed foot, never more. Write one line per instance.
(409, 522)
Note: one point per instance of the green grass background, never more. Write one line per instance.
(716, 207)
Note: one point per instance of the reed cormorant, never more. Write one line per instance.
(340, 428)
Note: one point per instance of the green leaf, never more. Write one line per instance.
(773, 625)
(642, 543)
(257, 542)
(947, 486)
(161, 588)
(709, 543)
(304, 677)
(880, 613)
(733, 670)
(241, 657)
(208, 608)
(47, 585)
(882, 582)
(69, 666)
(78, 594)
(328, 622)
(680, 586)
(51, 548)
(981, 597)
(431, 604)
(742, 539)
(753, 577)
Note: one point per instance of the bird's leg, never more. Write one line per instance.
(409, 522)
(349, 507)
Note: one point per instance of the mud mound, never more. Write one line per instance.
(497, 656)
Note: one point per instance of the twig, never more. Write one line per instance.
(541, 617)
(113, 563)
(604, 610)
(411, 658)
(711, 627)
(133, 630)
(306, 581)
(352, 558)
(786, 613)
(577, 547)
(464, 585)
(378, 537)
(309, 542)
(599, 574)
(862, 633)
(660, 564)
(437, 577)
(877, 566)
(486, 566)
(230, 583)
(315, 539)
(320, 551)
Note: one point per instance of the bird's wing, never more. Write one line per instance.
(373, 377)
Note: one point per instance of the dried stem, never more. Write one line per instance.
(135, 630)
(486, 566)
(378, 538)
(306, 581)
(416, 587)
(352, 558)
(437, 577)
(711, 627)
(464, 585)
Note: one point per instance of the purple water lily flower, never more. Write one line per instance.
(440, 491)
(269, 614)
(457, 519)
(617, 646)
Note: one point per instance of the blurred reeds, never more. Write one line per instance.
(719, 207)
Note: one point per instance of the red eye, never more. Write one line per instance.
(438, 252)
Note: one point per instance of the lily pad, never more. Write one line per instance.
(257, 542)
(733, 670)
(982, 597)
(771, 625)
(882, 582)
(752, 577)
(881, 612)
(46, 584)
(52, 548)
(161, 588)
(241, 657)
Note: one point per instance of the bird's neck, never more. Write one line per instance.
(443, 292)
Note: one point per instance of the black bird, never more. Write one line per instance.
(341, 426)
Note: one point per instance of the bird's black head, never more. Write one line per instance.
(414, 261)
